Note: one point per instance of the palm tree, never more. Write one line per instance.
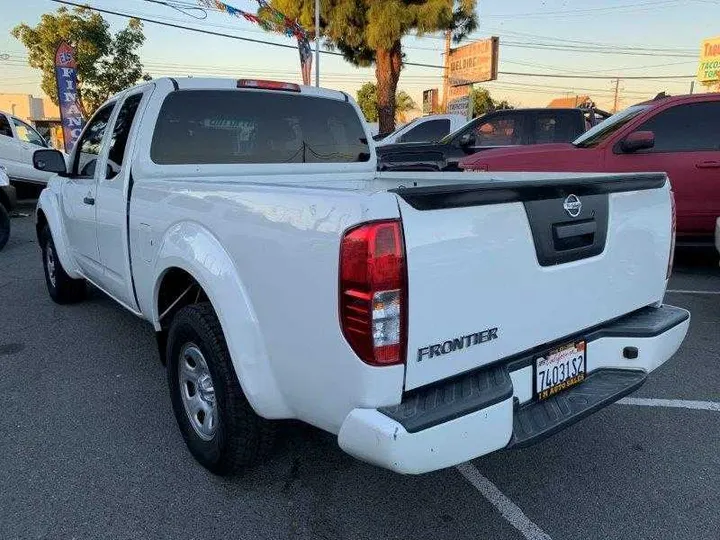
(403, 104)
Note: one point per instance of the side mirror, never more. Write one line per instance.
(50, 161)
(637, 140)
(467, 139)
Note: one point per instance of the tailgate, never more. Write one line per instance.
(497, 268)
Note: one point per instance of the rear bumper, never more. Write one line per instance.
(8, 197)
(493, 408)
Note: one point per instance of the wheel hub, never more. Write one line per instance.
(197, 391)
(50, 261)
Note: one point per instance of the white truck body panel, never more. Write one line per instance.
(263, 242)
(491, 279)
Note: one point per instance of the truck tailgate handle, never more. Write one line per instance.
(712, 164)
(89, 200)
(563, 232)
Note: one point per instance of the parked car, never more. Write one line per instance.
(677, 135)
(7, 203)
(430, 128)
(508, 127)
(18, 141)
(406, 313)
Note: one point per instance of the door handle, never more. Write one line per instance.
(708, 165)
(89, 200)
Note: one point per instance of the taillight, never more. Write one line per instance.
(267, 85)
(373, 292)
(673, 220)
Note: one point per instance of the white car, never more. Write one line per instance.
(18, 141)
(7, 203)
(425, 129)
(424, 319)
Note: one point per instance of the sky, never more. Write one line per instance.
(551, 37)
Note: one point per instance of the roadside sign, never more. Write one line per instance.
(473, 63)
(430, 101)
(459, 106)
(709, 67)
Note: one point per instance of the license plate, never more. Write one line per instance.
(559, 369)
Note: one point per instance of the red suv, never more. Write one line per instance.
(678, 135)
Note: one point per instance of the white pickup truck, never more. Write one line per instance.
(423, 318)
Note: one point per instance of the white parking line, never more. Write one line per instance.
(509, 510)
(688, 291)
(676, 403)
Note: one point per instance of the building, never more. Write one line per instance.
(41, 112)
(569, 102)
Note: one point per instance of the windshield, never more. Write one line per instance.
(607, 127)
(450, 136)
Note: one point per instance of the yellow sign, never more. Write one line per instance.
(473, 63)
(709, 68)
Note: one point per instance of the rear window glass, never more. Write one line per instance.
(238, 126)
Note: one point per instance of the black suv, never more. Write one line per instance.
(508, 127)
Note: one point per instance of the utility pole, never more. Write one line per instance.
(617, 89)
(317, 42)
(692, 87)
(446, 71)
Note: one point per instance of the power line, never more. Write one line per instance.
(212, 33)
(331, 53)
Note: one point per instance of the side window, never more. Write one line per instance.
(685, 128)
(5, 128)
(430, 131)
(28, 134)
(553, 127)
(503, 130)
(88, 147)
(120, 134)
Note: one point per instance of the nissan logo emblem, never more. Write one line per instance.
(572, 205)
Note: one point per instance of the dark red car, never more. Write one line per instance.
(678, 135)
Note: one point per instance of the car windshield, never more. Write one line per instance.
(607, 127)
(450, 136)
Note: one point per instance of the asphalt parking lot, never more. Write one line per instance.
(89, 448)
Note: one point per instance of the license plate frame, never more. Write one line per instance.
(570, 359)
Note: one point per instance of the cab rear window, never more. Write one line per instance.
(248, 126)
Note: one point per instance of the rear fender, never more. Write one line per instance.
(192, 248)
(49, 206)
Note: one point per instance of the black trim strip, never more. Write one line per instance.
(131, 182)
(539, 420)
(498, 192)
(451, 398)
(175, 84)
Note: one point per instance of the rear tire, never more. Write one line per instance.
(62, 288)
(4, 226)
(219, 426)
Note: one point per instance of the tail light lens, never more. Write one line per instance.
(673, 218)
(373, 292)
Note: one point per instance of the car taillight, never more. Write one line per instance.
(673, 220)
(268, 85)
(373, 292)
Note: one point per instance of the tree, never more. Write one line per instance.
(403, 104)
(367, 100)
(369, 32)
(482, 103)
(106, 63)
